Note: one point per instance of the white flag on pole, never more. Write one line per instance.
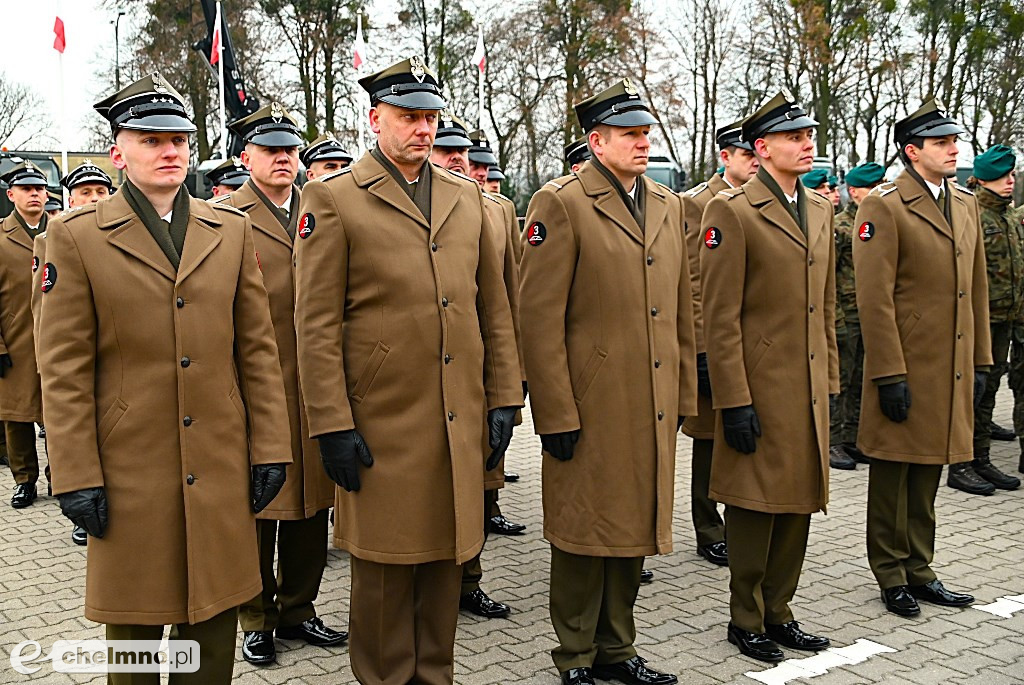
(479, 55)
(359, 56)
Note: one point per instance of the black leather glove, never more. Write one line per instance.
(894, 400)
(526, 390)
(833, 404)
(980, 379)
(499, 425)
(560, 445)
(703, 376)
(267, 481)
(741, 428)
(342, 452)
(87, 509)
(5, 363)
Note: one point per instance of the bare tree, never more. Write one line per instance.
(23, 117)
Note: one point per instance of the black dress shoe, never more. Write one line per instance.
(24, 495)
(634, 671)
(477, 602)
(997, 432)
(717, 553)
(936, 593)
(79, 536)
(755, 645)
(790, 635)
(577, 676)
(899, 601)
(258, 647)
(857, 455)
(839, 459)
(511, 477)
(314, 632)
(502, 526)
(646, 577)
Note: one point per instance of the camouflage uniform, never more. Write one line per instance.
(1004, 256)
(851, 346)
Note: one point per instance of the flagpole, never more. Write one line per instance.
(63, 117)
(223, 94)
(480, 82)
(360, 116)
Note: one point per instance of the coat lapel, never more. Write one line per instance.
(369, 173)
(263, 220)
(656, 209)
(130, 234)
(15, 233)
(771, 209)
(960, 215)
(608, 201)
(817, 220)
(201, 237)
(444, 195)
(920, 201)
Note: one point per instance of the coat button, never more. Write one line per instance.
(657, 363)
(810, 262)
(661, 415)
(185, 362)
(654, 311)
(814, 400)
(650, 260)
(180, 302)
(444, 301)
(812, 309)
(447, 359)
(958, 252)
(191, 479)
(959, 335)
(451, 416)
(812, 355)
(958, 375)
(433, 247)
(187, 421)
(962, 293)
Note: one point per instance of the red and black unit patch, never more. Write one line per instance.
(35, 264)
(536, 233)
(49, 277)
(712, 238)
(306, 225)
(866, 231)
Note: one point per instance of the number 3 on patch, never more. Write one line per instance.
(712, 238)
(866, 231)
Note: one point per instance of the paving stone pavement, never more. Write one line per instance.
(681, 617)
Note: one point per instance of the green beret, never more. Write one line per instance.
(993, 163)
(814, 178)
(833, 181)
(865, 175)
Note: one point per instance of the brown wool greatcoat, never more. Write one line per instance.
(503, 240)
(768, 295)
(307, 489)
(702, 425)
(405, 334)
(164, 389)
(20, 395)
(607, 324)
(921, 318)
(512, 221)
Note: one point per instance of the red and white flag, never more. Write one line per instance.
(59, 43)
(479, 55)
(359, 57)
(215, 44)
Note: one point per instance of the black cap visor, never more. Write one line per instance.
(415, 99)
(161, 123)
(484, 157)
(639, 116)
(452, 139)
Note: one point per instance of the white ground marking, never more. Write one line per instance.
(820, 663)
(1004, 606)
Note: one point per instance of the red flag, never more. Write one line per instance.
(58, 31)
(215, 45)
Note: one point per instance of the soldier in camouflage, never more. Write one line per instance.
(993, 183)
(843, 452)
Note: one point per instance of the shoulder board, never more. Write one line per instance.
(228, 208)
(334, 174)
(555, 184)
(697, 189)
(966, 190)
(492, 198)
(76, 212)
(731, 192)
(502, 197)
(219, 199)
(460, 175)
(884, 189)
(562, 181)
